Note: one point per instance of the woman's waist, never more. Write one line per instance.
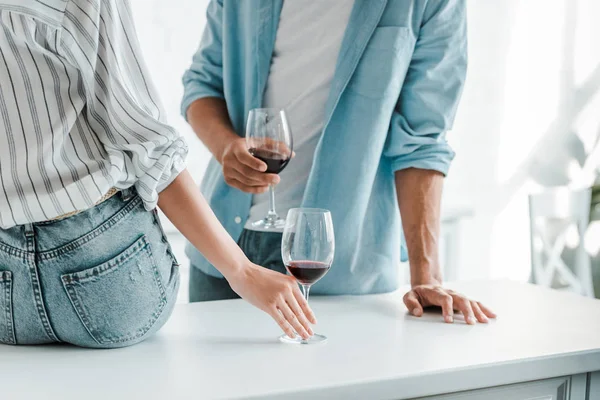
(75, 229)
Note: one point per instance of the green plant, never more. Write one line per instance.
(595, 204)
(595, 218)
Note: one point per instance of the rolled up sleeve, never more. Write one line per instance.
(431, 92)
(122, 107)
(204, 78)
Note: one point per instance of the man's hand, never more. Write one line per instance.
(434, 295)
(419, 195)
(243, 171)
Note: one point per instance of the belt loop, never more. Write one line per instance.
(127, 194)
(30, 237)
(29, 230)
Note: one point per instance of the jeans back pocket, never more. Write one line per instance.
(7, 331)
(120, 300)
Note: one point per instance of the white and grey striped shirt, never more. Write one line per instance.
(78, 114)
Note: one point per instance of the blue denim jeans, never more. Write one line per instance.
(104, 278)
(262, 248)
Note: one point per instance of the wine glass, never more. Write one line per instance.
(269, 138)
(307, 249)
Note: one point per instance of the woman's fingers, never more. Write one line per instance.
(282, 322)
(304, 305)
(299, 313)
(292, 319)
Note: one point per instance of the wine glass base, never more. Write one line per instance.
(267, 224)
(314, 339)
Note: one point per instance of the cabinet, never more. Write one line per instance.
(577, 387)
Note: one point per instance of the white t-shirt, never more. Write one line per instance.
(309, 37)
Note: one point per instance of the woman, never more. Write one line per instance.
(85, 157)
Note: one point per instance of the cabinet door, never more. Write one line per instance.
(593, 389)
(567, 388)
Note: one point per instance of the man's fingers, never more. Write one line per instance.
(292, 319)
(297, 310)
(464, 305)
(264, 181)
(282, 322)
(304, 305)
(481, 317)
(445, 301)
(411, 301)
(245, 188)
(254, 175)
(449, 301)
(489, 313)
(249, 160)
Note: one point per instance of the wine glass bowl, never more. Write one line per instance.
(276, 160)
(307, 249)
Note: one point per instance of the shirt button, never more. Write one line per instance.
(238, 220)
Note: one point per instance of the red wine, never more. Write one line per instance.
(275, 162)
(308, 272)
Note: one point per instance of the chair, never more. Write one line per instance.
(559, 219)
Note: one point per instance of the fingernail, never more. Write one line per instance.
(416, 312)
(449, 319)
(472, 320)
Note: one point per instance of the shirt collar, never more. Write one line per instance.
(48, 11)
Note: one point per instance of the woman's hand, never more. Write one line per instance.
(276, 294)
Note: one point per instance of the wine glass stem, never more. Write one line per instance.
(272, 214)
(305, 291)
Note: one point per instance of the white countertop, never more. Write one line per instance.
(375, 350)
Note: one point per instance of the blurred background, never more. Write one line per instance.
(529, 123)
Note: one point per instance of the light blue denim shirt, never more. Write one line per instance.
(398, 80)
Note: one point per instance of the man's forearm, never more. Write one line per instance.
(209, 119)
(419, 197)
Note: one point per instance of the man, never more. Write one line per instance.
(370, 88)
(85, 157)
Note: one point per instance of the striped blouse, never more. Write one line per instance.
(78, 113)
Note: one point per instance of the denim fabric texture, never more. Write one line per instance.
(262, 248)
(104, 278)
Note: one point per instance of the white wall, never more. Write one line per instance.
(529, 115)
(533, 81)
(169, 33)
